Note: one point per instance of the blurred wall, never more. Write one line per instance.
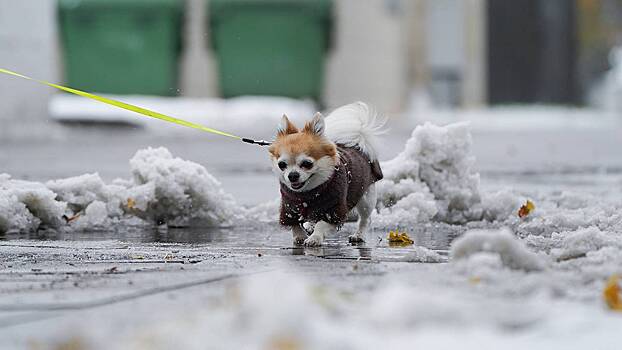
(198, 71)
(370, 58)
(28, 44)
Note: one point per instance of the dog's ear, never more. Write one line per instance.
(286, 127)
(316, 125)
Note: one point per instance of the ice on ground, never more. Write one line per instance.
(512, 252)
(163, 189)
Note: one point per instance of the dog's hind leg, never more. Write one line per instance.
(364, 208)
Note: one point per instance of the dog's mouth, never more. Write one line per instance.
(297, 185)
(300, 184)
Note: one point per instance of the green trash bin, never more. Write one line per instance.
(271, 47)
(122, 46)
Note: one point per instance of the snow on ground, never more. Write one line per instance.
(533, 282)
(436, 165)
(163, 190)
(433, 180)
(502, 243)
(474, 304)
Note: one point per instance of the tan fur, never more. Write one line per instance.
(294, 142)
(290, 128)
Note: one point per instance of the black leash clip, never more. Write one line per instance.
(258, 142)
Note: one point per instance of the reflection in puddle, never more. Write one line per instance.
(268, 238)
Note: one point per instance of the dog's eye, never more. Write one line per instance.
(305, 164)
(282, 165)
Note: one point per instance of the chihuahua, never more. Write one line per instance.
(326, 170)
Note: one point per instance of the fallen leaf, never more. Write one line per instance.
(131, 203)
(611, 293)
(399, 238)
(73, 343)
(526, 209)
(475, 280)
(70, 219)
(284, 343)
(139, 257)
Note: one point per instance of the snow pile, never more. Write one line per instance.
(512, 252)
(90, 202)
(177, 191)
(576, 244)
(434, 179)
(25, 205)
(163, 189)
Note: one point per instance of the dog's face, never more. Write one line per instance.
(303, 159)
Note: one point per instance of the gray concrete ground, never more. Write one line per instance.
(48, 279)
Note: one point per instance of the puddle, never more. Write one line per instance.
(265, 239)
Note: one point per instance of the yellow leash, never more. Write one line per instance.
(136, 109)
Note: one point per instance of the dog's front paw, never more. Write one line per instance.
(356, 238)
(313, 241)
(299, 240)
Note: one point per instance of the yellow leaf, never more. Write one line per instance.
(399, 238)
(284, 343)
(526, 209)
(475, 280)
(611, 293)
(131, 203)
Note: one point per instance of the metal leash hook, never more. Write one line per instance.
(258, 142)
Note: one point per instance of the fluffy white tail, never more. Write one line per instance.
(355, 125)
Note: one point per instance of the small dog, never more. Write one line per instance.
(327, 169)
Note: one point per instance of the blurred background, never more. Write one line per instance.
(447, 53)
(239, 64)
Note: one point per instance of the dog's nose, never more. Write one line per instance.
(293, 176)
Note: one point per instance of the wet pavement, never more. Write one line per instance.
(265, 239)
(49, 279)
